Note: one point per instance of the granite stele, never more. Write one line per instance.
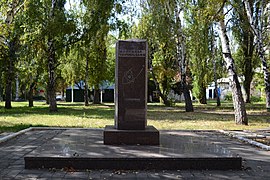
(131, 97)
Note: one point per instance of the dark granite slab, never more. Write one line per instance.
(84, 149)
(131, 85)
(148, 136)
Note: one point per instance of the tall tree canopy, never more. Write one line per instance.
(199, 46)
(161, 26)
(11, 31)
(260, 27)
(49, 24)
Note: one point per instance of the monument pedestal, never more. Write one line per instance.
(113, 136)
(130, 127)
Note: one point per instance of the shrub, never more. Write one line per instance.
(228, 97)
(256, 99)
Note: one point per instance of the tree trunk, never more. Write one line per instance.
(213, 51)
(51, 83)
(246, 85)
(181, 58)
(10, 59)
(265, 68)
(52, 99)
(248, 49)
(86, 99)
(246, 44)
(96, 96)
(1, 88)
(216, 84)
(30, 97)
(52, 66)
(51, 91)
(162, 96)
(10, 73)
(188, 101)
(266, 77)
(17, 88)
(183, 69)
(202, 92)
(257, 32)
(31, 91)
(238, 101)
(8, 93)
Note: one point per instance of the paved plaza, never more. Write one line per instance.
(256, 162)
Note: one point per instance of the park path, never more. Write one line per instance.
(256, 162)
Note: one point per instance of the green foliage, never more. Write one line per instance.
(199, 46)
(41, 25)
(11, 30)
(88, 57)
(74, 67)
(256, 99)
(259, 81)
(110, 43)
(228, 97)
(245, 57)
(157, 26)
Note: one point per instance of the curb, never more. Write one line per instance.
(244, 139)
(13, 135)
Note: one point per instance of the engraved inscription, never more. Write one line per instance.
(129, 76)
(131, 53)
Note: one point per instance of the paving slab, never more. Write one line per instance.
(256, 162)
(84, 149)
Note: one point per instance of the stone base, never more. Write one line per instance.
(83, 149)
(157, 163)
(149, 136)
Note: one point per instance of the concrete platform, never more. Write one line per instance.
(148, 136)
(84, 149)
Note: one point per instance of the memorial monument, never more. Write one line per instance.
(178, 150)
(131, 97)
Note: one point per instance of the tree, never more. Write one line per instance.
(2, 59)
(30, 71)
(199, 44)
(1, 88)
(52, 26)
(156, 26)
(10, 34)
(258, 29)
(96, 27)
(245, 59)
(238, 102)
(31, 65)
(181, 58)
(1, 77)
(72, 70)
(214, 60)
(161, 26)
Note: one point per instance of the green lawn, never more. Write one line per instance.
(207, 117)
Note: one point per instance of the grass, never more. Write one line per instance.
(205, 117)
